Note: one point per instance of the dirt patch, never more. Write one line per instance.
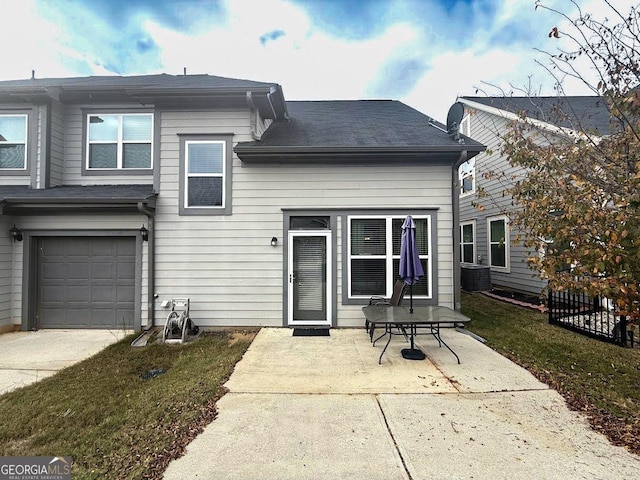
(242, 336)
(518, 298)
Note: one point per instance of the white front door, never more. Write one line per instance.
(309, 278)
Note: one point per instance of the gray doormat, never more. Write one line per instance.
(310, 332)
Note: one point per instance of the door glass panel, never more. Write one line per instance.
(309, 223)
(309, 278)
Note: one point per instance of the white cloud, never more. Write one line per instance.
(29, 43)
(454, 74)
(306, 61)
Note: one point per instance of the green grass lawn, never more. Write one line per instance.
(111, 421)
(597, 378)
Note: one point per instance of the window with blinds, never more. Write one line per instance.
(119, 141)
(205, 164)
(374, 255)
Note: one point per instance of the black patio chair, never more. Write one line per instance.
(399, 289)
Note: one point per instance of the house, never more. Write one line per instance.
(486, 236)
(118, 194)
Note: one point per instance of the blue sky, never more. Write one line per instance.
(422, 52)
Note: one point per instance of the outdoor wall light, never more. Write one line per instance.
(16, 234)
(144, 233)
(274, 241)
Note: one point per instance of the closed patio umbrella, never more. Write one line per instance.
(410, 266)
(410, 272)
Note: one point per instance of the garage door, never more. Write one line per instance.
(86, 282)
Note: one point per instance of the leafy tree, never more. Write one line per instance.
(579, 202)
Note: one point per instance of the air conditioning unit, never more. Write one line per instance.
(475, 278)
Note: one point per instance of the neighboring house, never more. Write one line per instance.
(118, 194)
(486, 236)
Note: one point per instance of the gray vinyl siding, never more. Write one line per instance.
(56, 143)
(226, 264)
(74, 152)
(518, 275)
(6, 266)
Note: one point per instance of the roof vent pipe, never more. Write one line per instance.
(33, 74)
(184, 71)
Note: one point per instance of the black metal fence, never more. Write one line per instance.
(591, 316)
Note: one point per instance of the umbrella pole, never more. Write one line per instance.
(411, 299)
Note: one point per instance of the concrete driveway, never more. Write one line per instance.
(322, 408)
(26, 357)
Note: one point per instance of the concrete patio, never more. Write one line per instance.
(322, 408)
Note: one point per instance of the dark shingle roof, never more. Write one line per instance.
(71, 193)
(370, 124)
(22, 200)
(186, 91)
(576, 112)
(138, 81)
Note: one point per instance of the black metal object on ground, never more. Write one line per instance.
(310, 332)
(153, 373)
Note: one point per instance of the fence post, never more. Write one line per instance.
(623, 330)
(549, 304)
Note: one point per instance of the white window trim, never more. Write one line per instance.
(389, 257)
(208, 175)
(120, 142)
(475, 244)
(465, 125)
(507, 244)
(26, 142)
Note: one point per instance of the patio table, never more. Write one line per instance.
(400, 321)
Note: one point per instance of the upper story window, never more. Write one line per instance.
(466, 175)
(205, 174)
(120, 141)
(13, 142)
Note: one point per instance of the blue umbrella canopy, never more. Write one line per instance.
(410, 266)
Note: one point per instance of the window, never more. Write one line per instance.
(467, 242)
(466, 174)
(205, 174)
(119, 141)
(374, 255)
(13, 142)
(498, 228)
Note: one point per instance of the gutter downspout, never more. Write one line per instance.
(455, 205)
(151, 251)
(252, 117)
